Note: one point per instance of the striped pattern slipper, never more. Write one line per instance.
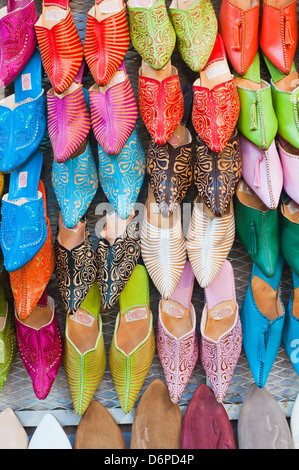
(133, 345)
(209, 241)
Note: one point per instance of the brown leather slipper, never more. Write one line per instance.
(157, 421)
(97, 429)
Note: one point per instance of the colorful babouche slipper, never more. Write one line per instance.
(280, 48)
(133, 345)
(69, 120)
(177, 341)
(209, 240)
(121, 176)
(40, 344)
(157, 420)
(273, 430)
(289, 156)
(151, 31)
(98, 429)
(113, 111)
(206, 424)
(163, 247)
(107, 39)
(195, 24)
(221, 331)
(257, 120)
(285, 95)
(49, 434)
(262, 171)
(160, 100)
(84, 357)
(289, 210)
(59, 42)
(291, 324)
(262, 317)
(258, 229)
(238, 25)
(75, 183)
(170, 169)
(7, 338)
(216, 105)
(12, 432)
(23, 227)
(117, 254)
(23, 116)
(75, 267)
(17, 21)
(29, 282)
(216, 175)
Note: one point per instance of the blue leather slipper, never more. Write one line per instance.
(23, 120)
(23, 228)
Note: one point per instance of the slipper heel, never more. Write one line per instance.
(28, 84)
(24, 181)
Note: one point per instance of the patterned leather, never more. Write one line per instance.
(130, 370)
(61, 51)
(170, 171)
(7, 340)
(41, 351)
(17, 41)
(196, 30)
(69, 122)
(21, 131)
(219, 357)
(161, 105)
(216, 175)
(290, 163)
(152, 33)
(113, 114)
(75, 272)
(106, 44)
(84, 371)
(75, 184)
(164, 256)
(116, 263)
(215, 113)
(178, 355)
(121, 176)
(23, 231)
(208, 242)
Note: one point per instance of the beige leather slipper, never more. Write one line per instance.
(157, 421)
(12, 433)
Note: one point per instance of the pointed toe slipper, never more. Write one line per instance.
(206, 424)
(157, 420)
(75, 183)
(107, 39)
(23, 116)
(49, 434)
(132, 348)
(114, 111)
(98, 429)
(17, 22)
(121, 176)
(177, 341)
(12, 433)
(209, 240)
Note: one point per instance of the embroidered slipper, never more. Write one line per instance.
(75, 183)
(177, 341)
(17, 21)
(23, 227)
(117, 254)
(30, 281)
(23, 114)
(216, 105)
(133, 345)
(107, 39)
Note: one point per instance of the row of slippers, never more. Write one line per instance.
(159, 424)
